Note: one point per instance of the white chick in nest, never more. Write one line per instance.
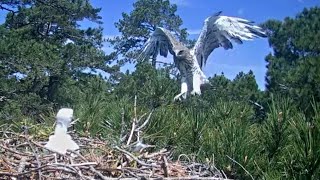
(61, 141)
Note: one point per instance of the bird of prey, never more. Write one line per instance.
(61, 141)
(218, 31)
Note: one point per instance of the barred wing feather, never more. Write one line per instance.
(219, 31)
(161, 41)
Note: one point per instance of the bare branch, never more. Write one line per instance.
(145, 122)
(240, 166)
(7, 9)
(134, 121)
(135, 158)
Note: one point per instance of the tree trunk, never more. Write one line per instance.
(52, 87)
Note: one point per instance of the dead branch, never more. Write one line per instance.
(145, 122)
(37, 158)
(135, 158)
(165, 166)
(14, 151)
(134, 121)
(240, 166)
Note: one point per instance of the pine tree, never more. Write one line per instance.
(136, 27)
(43, 48)
(293, 68)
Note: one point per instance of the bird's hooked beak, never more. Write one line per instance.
(178, 52)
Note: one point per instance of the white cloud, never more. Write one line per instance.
(180, 2)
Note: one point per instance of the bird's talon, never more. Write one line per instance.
(195, 92)
(180, 97)
(177, 98)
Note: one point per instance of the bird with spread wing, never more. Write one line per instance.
(218, 31)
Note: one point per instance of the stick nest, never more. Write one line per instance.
(25, 157)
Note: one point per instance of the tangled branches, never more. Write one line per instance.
(23, 157)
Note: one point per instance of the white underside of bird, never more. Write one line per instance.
(192, 82)
(218, 31)
(61, 141)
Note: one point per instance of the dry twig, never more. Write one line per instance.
(240, 166)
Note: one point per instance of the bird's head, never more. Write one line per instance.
(182, 53)
(64, 116)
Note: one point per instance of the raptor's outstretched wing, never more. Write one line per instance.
(219, 31)
(161, 41)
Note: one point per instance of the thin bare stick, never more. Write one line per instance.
(148, 156)
(240, 166)
(135, 158)
(28, 172)
(142, 116)
(134, 121)
(37, 158)
(138, 136)
(7, 174)
(135, 107)
(16, 152)
(64, 165)
(6, 131)
(84, 164)
(91, 167)
(145, 122)
(74, 122)
(122, 125)
(165, 166)
(57, 168)
(184, 155)
(224, 174)
(78, 154)
(98, 173)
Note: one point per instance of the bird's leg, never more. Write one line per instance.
(55, 158)
(184, 89)
(196, 83)
(71, 160)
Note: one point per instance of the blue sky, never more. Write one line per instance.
(250, 55)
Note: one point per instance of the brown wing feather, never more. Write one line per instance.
(161, 41)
